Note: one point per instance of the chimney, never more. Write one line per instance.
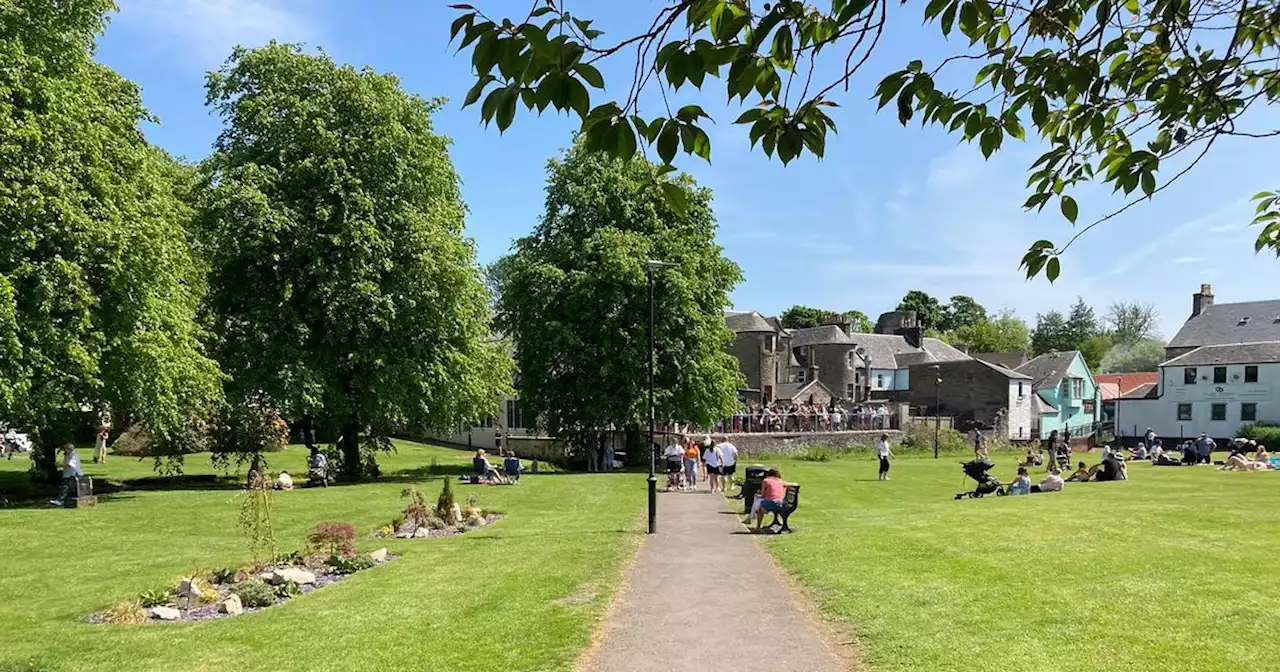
(842, 324)
(1201, 300)
(913, 334)
(813, 373)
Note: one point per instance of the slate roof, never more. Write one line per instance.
(1049, 369)
(1143, 391)
(1006, 372)
(1009, 360)
(889, 351)
(1040, 406)
(789, 391)
(748, 323)
(1219, 324)
(1240, 353)
(827, 334)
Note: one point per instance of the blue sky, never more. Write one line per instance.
(890, 209)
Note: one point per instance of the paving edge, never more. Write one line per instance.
(620, 589)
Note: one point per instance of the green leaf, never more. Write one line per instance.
(701, 143)
(1148, 183)
(750, 116)
(676, 197)
(1052, 269)
(490, 106)
(668, 141)
(1039, 111)
(690, 113)
(1069, 208)
(579, 99)
(626, 139)
(589, 73)
(782, 45)
(506, 109)
(473, 94)
(949, 18)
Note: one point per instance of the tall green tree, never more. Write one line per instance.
(1051, 334)
(341, 286)
(1132, 321)
(576, 301)
(962, 311)
(1148, 83)
(859, 322)
(1145, 355)
(98, 289)
(1094, 349)
(930, 313)
(1004, 332)
(1082, 324)
(804, 317)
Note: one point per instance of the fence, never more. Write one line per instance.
(788, 422)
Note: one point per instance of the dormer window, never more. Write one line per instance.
(1243, 321)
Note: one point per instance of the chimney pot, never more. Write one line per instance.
(1201, 300)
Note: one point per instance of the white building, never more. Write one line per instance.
(1223, 372)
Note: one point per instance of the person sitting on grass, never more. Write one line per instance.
(1022, 484)
(1081, 475)
(1262, 456)
(1052, 482)
(1032, 460)
(1139, 452)
(773, 490)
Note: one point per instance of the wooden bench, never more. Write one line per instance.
(790, 502)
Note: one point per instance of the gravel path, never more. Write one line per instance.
(702, 596)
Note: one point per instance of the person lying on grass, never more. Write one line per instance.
(772, 493)
(1239, 460)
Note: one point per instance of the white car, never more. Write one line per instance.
(18, 440)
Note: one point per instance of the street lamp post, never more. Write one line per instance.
(937, 407)
(653, 451)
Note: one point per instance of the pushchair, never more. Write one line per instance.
(675, 473)
(1062, 455)
(987, 484)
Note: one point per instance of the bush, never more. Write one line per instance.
(334, 538)
(416, 511)
(134, 442)
(287, 590)
(155, 598)
(350, 565)
(125, 613)
(1264, 434)
(919, 437)
(446, 503)
(254, 593)
(226, 575)
(816, 454)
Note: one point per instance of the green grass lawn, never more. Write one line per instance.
(489, 600)
(1174, 569)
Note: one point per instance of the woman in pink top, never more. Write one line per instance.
(772, 491)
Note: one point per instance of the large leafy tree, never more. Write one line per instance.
(1051, 334)
(98, 289)
(930, 313)
(962, 311)
(341, 286)
(575, 301)
(1082, 324)
(1004, 332)
(859, 322)
(1131, 93)
(804, 317)
(1145, 355)
(1131, 322)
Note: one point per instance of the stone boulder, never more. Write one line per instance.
(165, 613)
(231, 606)
(421, 533)
(379, 555)
(291, 575)
(189, 588)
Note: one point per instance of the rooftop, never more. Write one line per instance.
(748, 323)
(1049, 369)
(1223, 323)
(1237, 353)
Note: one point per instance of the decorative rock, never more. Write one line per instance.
(379, 555)
(403, 535)
(456, 513)
(422, 532)
(231, 606)
(189, 588)
(291, 575)
(165, 613)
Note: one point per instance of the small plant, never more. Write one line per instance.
(435, 523)
(254, 593)
(155, 598)
(255, 519)
(386, 531)
(434, 467)
(350, 564)
(286, 559)
(334, 538)
(287, 590)
(125, 613)
(208, 595)
(446, 504)
(417, 510)
(225, 575)
(816, 454)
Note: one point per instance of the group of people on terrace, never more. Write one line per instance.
(778, 416)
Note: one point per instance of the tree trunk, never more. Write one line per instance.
(352, 467)
(47, 467)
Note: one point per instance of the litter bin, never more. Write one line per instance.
(752, 480)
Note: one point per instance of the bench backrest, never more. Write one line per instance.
(792, 499)
(479, 465)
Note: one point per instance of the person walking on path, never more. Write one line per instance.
(713, 458)
(884, 452)
(691, 458)
(1204, 449)
(728, 464)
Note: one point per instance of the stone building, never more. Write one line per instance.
(829, 353)
(975, 392)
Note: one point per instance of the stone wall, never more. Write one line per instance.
(833, 368)
(758, 445)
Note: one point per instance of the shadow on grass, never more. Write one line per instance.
(543, 535)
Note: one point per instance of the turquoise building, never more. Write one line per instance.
(1066, 396)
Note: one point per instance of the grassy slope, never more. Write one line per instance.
(1172, 570)
(484, 601)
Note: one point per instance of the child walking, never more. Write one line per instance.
(882, 449)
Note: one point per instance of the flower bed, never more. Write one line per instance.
(433, 528)
(226, 593)
(419, 520)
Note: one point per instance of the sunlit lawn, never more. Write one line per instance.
(1174, 569)
(489, 600)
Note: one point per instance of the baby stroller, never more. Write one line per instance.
(987, 484)
(675, 473)
(1062, 455)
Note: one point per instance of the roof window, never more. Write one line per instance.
(1243, 321)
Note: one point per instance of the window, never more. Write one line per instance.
(880, 380)
(800, 376)
(489, 422)
(851, 391)
(1219, 375)
(768, 393)
(1243, 321)
(1251, 374)
(1184, 412)
(1066, 389)
(515, 415)
(1248, 412)
(1077, 388)
(1021, 393)
(851, 361)
(1218, 412)
(769, 343)
(1189, 375)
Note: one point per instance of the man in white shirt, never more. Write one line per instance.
(672, 455)
(70, 471)
(728, 464)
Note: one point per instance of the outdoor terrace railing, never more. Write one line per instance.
(792, 421)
